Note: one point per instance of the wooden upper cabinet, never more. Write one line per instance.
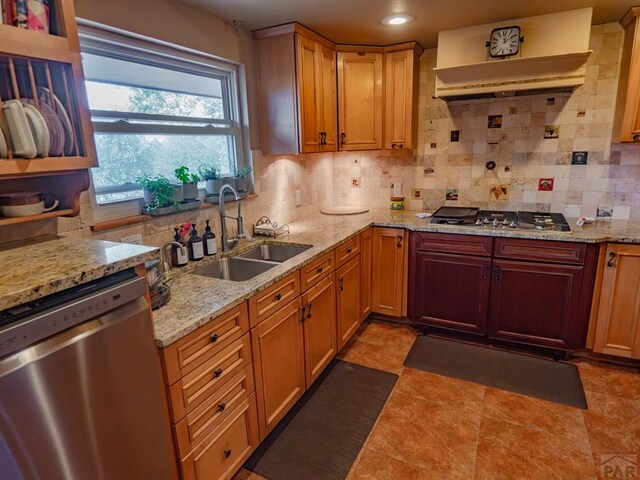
(297, 90)
(401, 99)
(389, 267)
(618, 318)
(29, 62)
(360, 100)
(627, 117)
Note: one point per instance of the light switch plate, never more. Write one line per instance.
(135, 239)
(298, 198)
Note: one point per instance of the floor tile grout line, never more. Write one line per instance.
(475, 458)
(586, 431)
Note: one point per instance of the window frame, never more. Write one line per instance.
(110, 42)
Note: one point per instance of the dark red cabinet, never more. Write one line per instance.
(453, 291)
(537, 303)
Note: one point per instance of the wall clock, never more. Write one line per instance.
(504, 42)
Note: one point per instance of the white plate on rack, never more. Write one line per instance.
(39, 129)
(44, 95)
(22, 143)
(54, 126)
(4, 153)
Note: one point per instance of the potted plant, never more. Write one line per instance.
(189, 183)
(158, 192)
(241, 178)
(213, 177)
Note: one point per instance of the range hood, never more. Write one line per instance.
(552, 58)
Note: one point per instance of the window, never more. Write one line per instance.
(154, 108)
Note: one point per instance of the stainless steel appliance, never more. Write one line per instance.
(498, 219)
(80, 386)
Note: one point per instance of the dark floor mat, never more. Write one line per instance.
(536, 377)
(321, 436)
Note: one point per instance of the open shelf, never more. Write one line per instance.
(21, 166)
(4, 221)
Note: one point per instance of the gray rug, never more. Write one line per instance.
(536, 377)
(320, 438)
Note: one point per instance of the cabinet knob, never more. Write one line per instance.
(612, 256)
(394, 145)
(485, 272)
(349, 250)
(343, 138)
(401, 145)
(221, 407)
(278, 296)
(217, 373)
(227, 453)
(636, 138)
(319, 270)
(214, 338)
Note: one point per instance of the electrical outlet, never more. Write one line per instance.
(135, 239)
(298, 198)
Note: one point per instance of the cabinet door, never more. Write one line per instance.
(328, 98)
(360, 101)
(319, 313)
(278, 357)
(451, 291)
(537, 304)
(309, 91)
(618, 321)
(366, 272)
(388, 271)
(401, 87)
(349, 313)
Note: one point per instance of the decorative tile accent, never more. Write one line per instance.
(416, 194)
(604, 212)
(451, 194)
(494, 121)
(551, 131)
(579, 158)
(455, 135)
(355, 182)
(545, 185)
(499, 192)
(551, 101)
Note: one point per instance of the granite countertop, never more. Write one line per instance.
(195, 300)
(38, 269)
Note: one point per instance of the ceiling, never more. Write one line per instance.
(358, 21)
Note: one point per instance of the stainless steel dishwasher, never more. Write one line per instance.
(80, 387)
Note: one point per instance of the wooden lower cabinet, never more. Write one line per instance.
(389, 273)
(348, 300)
(451, 291)
(366, 272)
(278, 355)
(320, 339)
(224, 451)
(618, 315)
(537, 303)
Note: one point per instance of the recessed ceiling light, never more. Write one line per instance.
(398, 19)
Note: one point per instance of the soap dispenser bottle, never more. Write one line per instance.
(209, 239)
(196, 251)
(179, 256)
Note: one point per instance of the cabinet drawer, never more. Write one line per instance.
(273, 298)
(202, 420)
(224, 451)
(347, 251)
(452, 243)
(540, 250)
(197, 386)
(196, 348)
(317, 270)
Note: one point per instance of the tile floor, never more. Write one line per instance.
(435, 427)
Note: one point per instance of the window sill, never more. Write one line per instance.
(135, 219)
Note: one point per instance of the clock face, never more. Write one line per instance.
(504, 42)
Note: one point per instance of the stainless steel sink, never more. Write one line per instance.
(274, 253)
(234, 269)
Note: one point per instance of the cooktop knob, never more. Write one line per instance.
(478, 222)
(513, 224)
(505, 222)
(486, 221)
(495, 222)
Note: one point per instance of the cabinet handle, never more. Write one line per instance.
(400, 238)
(612, 256)
(323, 138)
(309, 310)
(319, 269)
(227, 453)
(214, 338)
(343, 138)
(485, 272)
(303, 308)
(496, 274)
(217, 373)
(394, 145)
(341, 284)
(278, 296)
(636, 138)
(221, 407)
(401, 145)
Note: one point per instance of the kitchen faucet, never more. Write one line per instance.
(164, 264)
(229, 243)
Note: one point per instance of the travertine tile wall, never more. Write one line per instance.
(610, 179)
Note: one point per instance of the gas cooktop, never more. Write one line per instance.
(496, 219)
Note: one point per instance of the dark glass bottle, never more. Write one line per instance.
(179, 257)
(196, 251)
(209, 239)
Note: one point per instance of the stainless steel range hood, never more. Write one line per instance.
(552, 57)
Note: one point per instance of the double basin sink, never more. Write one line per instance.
(249, 264)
